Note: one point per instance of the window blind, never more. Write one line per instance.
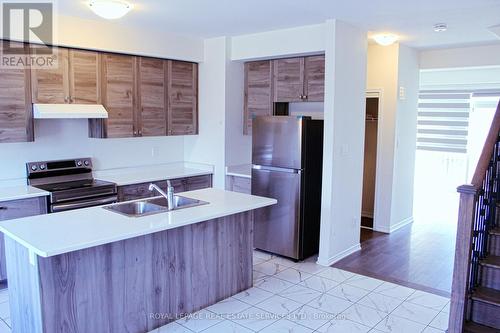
(443, 119)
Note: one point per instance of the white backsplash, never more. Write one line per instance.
(68, 138)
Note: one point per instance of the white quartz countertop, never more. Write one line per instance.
(143, 174)
(18, 192)
(57, 233)
(243, 170)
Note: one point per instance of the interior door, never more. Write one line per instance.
(276, 228)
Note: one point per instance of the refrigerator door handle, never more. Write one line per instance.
(276, 169)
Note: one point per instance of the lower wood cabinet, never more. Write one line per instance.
(141, 191)
(239, 184)
(15, 209)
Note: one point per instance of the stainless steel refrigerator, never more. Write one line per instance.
(287, 158)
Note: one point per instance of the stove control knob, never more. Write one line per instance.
(79, 163)
(34, 168)
(86, 163)
(42, 166)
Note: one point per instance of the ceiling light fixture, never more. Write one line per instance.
(385, 39)
(110, 9)
(440, 27)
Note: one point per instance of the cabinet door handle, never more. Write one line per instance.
(140, 133)
(135, 133)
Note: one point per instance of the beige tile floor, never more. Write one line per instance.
(305, 297)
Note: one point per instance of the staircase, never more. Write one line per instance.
(475, 296)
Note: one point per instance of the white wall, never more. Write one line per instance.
(389, 68)
(60, 139)
(238, 146)
(382, 76)
(345, 85)
(406, 138)
(209, 146)
(474, 56)
(461, 78)
(114, 36)
(279, 43)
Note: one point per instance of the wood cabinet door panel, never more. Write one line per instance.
(198, 182)
(183, 98)
(288, 79)
(152, 97)
(118, 94)
(16, 117)
(139, 191)
(315, 78)
(84, 76)
(258, 92)
(16, 209)
(51, 86)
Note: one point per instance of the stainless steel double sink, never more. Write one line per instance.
(153, 206)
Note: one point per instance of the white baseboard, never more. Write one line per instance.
(330, 261)
(394, 227)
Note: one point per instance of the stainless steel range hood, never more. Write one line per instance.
(69, 111)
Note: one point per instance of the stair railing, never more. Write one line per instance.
(476, 216)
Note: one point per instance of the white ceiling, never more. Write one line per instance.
(467, 20)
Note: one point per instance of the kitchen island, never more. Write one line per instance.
(93, 270)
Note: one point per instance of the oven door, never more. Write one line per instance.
(70, 205)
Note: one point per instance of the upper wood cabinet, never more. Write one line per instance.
(314, 84)
(84, 77)
(147, 97)
(118, 96)
(299, 79)
(183, 98)
(76, 78)
(152, 97)
(289, 80)
(51, 86)
(258, 100)
(16, 120)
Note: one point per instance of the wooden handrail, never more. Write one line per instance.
(489, 144)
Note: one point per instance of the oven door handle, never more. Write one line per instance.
(82, 204)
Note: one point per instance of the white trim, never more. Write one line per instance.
(332, 260)
(394, 227)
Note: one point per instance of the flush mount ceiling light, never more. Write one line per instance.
(110, 9)
(385, 39)
(440, 27)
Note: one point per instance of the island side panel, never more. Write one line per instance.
(139, 284)
(24, 289)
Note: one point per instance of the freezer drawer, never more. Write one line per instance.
(276, 228)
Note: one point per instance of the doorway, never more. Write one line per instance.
(370, 162)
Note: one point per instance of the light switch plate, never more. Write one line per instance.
(402, 93)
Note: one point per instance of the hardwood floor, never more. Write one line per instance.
(419, 256)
